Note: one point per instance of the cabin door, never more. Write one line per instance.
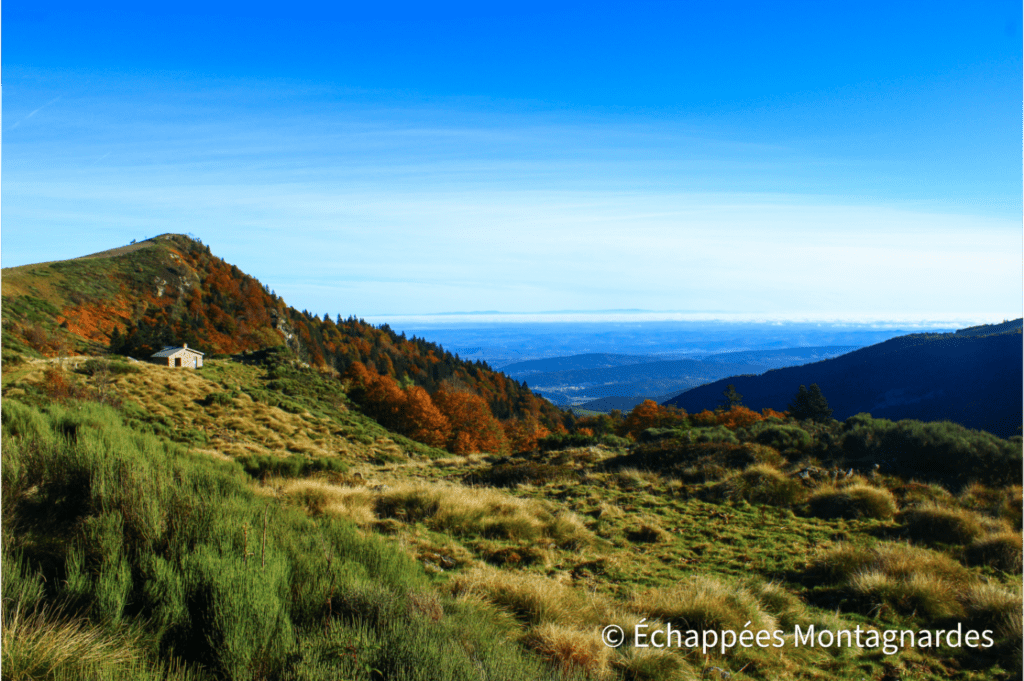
(177, 361)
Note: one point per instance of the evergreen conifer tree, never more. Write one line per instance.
(809, 403)
(731, 397)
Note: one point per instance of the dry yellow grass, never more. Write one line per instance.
(480, 511)
(40, 645)
(853, 501)
(703, 602)
(894, 559)
(1002, 550)
(920, 592)
(571, 649)
(536, 599)
(934, 522)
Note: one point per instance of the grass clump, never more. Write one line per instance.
(702, 602)
(930, 522)
(760, 484)
(854, 501)
(906, 578)
(1001, 550)
(894, 559)
(569, 649)
(465, 511)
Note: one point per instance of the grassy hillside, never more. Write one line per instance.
(209, 524)
(171, 290)
(272, 517)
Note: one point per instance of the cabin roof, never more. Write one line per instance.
(171, 350)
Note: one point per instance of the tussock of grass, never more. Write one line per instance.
(786, 607)
(921, 593)
(647, 532)
(534, 599)
(466, 511)
(1001, 550)
(570, 649)
(906, 578)
(41, 644)
(653, 664)
(893, 559)
(931, 522)
(702, 602)
(760, 484)
(854, 501)
(631, 478)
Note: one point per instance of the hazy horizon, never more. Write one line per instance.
(736, 160)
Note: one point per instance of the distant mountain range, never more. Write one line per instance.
(603, 381)
(973, 377)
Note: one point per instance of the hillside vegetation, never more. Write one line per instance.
(268, 517)
(972, 377)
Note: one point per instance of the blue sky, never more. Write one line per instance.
(717, 160)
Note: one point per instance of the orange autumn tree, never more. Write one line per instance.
(410, 412)
(424, 422)
(473, 426)
(650, 414)
(736, 417)
(523, 434)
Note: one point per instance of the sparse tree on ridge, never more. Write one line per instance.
(731, 398)
(809, 403)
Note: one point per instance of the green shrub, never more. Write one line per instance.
(91, 367)
(941, 450)
(781, 437)
(697, 461)
(567, 440)
(519, 473)
(146, 538)
(855, 501)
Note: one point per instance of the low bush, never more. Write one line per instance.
(519, 473)
(855, 501)
(698, 461)
(942, 451)
(92, 367)
(780, 437)
(567, 440)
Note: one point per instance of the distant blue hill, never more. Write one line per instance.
(973, 377)
(604, 381)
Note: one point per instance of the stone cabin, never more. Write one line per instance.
(178, 357)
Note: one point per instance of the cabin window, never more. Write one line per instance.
(177, 361)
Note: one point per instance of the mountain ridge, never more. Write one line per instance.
(971, 378)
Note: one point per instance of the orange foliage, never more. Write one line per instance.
(769, 413)
(739, 417)
(650, 414)
(422, 419)
(474, 428)
(522, 434)
(736, 417)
